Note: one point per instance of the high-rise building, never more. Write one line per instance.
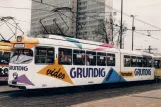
(90, 15)
(63, 18)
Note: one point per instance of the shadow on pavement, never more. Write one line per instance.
(3, 83)
(74, 90)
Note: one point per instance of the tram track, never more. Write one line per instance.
(67, 98)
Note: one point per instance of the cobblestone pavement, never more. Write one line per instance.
(71, 96)
(146, 99)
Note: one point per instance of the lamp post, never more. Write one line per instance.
(133, 28)
(121, 24)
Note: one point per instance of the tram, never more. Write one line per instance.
(5, 48)
(157, 65)
(57, 61)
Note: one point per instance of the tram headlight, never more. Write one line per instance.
(15, 75)
(19, 38)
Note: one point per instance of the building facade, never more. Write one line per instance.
(90, 14)
(62, 19)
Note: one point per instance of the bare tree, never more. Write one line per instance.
(109, 32)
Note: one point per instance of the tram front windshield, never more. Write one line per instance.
(4, 57)
(21, 56)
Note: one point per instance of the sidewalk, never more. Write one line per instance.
(6, 88)
(146, 99)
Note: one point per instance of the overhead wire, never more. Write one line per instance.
(90, 12)
(101, 3)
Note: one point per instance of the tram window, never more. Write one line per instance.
(139, 61)
(78, 57)
(44, 55)
(133, 61)
(4, 57)
(90, 58)
(21, 56)
(157, 64)
(150, 62)
(65, 56)
(101, 59)
(127, 61)
(110, 59)
(147, 61)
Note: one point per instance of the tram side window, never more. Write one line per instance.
(78, 57)
(139, 61)
(90, 58)
(101, 59)
(110, 59)
(147, 61)
(150, 62)
(127, 61)
(65, 56)
(44, 55)
(133, 61)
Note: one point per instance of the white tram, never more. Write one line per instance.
(59, 61)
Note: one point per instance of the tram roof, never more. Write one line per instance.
(123, 51)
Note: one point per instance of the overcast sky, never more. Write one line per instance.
(146, 10)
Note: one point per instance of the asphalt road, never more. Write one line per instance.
(70, 96)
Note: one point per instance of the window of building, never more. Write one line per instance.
(78, 57)
(44, 55)
(90, 58)
(65, 56)
(127, 61)
(110, 59)
(101, 59)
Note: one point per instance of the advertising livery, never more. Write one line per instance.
(62, 62)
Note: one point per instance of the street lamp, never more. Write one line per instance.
(133, 28)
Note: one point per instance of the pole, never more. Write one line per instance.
(121, 25)
(133, 28)
(16, 31)
(111, 22)
(149, 49)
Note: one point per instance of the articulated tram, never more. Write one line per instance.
(59, 61)
(5, 48)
